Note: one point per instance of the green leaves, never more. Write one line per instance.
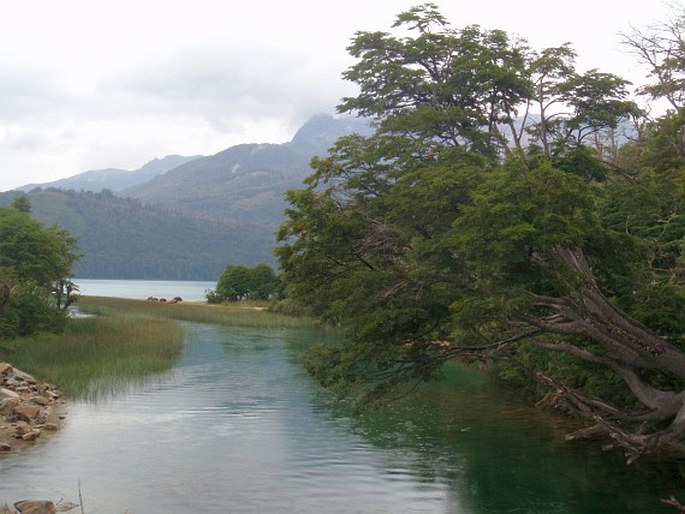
(443, 236)
(239, 282)
(35, 267)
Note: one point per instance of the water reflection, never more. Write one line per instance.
(237, 426)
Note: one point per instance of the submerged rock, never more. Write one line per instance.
(35, 507)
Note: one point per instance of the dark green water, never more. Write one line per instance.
(238, 427)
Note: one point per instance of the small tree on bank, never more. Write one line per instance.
(239, 282)
(35, 273)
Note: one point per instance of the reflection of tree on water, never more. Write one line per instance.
(490, 453)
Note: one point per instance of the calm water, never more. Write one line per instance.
(141, 289)
(238, 427)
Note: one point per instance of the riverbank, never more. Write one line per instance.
(28, 408)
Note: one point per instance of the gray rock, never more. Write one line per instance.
(22, 376)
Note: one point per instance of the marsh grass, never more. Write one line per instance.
(96, 356)
(239, 314)
(126, 342)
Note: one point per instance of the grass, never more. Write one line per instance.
(245, 314)
(95, 356)
(126, 341)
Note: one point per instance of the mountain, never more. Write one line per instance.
(125, 239)
(115, 179)
(184, 218)
(246, 182)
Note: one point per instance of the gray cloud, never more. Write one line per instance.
(234, 83)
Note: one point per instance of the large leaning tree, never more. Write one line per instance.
(487, 220)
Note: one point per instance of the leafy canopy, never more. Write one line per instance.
(486, 219)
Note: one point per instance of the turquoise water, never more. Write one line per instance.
(238, 427)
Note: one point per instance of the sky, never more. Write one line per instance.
(95, 84)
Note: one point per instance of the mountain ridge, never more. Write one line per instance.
(190, 221)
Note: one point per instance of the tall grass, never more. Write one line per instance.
(126, 341)
(95, 356)
(238, 314)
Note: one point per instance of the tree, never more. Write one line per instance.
(235, 283)
(35, 274)
(22, 203)
(437, 239)
(265, 281)
(239, 282)
(662, 49)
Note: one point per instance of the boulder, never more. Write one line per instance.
(27, 412)
(22, 376)
(21, 428)
(4, 448)
(35, 507)
(7, 405)
(40, 400)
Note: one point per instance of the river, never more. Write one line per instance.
(238, 427)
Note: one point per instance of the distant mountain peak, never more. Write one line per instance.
(319, 132)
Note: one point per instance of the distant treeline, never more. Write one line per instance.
(124, 238)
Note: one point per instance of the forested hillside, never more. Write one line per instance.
(123, 238)
(247, 182)
(188, 222)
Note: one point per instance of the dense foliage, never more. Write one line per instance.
(495, 217)
(35, 271)
(239, 282)
(123, 238)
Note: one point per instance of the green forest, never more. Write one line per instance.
(121, 238)
(509, 211)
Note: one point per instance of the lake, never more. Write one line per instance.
(238, 427)
(141, 289)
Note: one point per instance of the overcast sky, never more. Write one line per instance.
(91, 84)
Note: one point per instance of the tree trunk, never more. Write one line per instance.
(628, 348)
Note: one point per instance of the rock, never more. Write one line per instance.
(5, 369)
(8, 393)
(4, 448)
(31, 436)
(21, 428)
(27, 412)
(63, 506)
(22, 376)
(40, 400)
(5, 509)
(7, 405)
(50, 427)
(35, 507)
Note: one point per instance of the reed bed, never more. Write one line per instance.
(239, 314)
(96, 356)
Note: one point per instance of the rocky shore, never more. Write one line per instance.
(28, 408)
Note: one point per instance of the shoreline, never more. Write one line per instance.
(28, 409)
